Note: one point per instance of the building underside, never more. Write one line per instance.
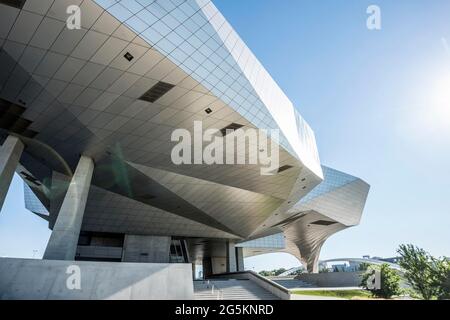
(87, 117)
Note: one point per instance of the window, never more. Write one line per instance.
(178, 252)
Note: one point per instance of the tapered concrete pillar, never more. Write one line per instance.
(10, 153)
(312, 263)
(64, 238)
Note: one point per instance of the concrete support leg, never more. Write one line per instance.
(240, 258)
(10, 153)
(231, 257)
(312, 264)
(64, 238)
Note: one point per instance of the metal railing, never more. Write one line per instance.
(219, 294)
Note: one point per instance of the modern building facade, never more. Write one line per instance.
(86, 120)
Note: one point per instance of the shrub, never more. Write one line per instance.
(390, 281)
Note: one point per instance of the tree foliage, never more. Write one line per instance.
(272, 273)
(427, 275)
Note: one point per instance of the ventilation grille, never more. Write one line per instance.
(231, 127)
(146, 197)
(14, 3)
(284, 168)
(323, 223)
(11, 119)
(157, 91)
(289, 220)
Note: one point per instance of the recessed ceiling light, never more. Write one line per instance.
(128, 56)
(208, 110)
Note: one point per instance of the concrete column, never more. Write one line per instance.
(10, 153)
(312, 263)
(231, 257)
(240, 258)
(64, 238)
(58, 190)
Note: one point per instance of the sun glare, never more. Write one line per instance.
(438, 109)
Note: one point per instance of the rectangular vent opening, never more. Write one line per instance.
(231, 127)
(146, 197)
(14, 3)
(11, 119)
(156, 92)
(323, 223)
(30, 178)
(284, 168)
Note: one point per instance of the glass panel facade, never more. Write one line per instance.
(177, 252)
(332, 179)
(275, 241)
(32, 202)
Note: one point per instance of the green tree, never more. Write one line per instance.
(265, 273)
(363, 266)
(277, 272)
(443, 278)
(427, 275)
(390, 281)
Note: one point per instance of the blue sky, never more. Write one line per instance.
(378, 101)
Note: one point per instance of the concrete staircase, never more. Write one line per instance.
(291, 283)
(206, 290)
(230, 290)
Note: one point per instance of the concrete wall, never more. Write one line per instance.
(99, 252)
(47, 279)
(151, 249)
(332, 279)
(219, 265)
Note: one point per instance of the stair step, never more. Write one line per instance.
(231, 290)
